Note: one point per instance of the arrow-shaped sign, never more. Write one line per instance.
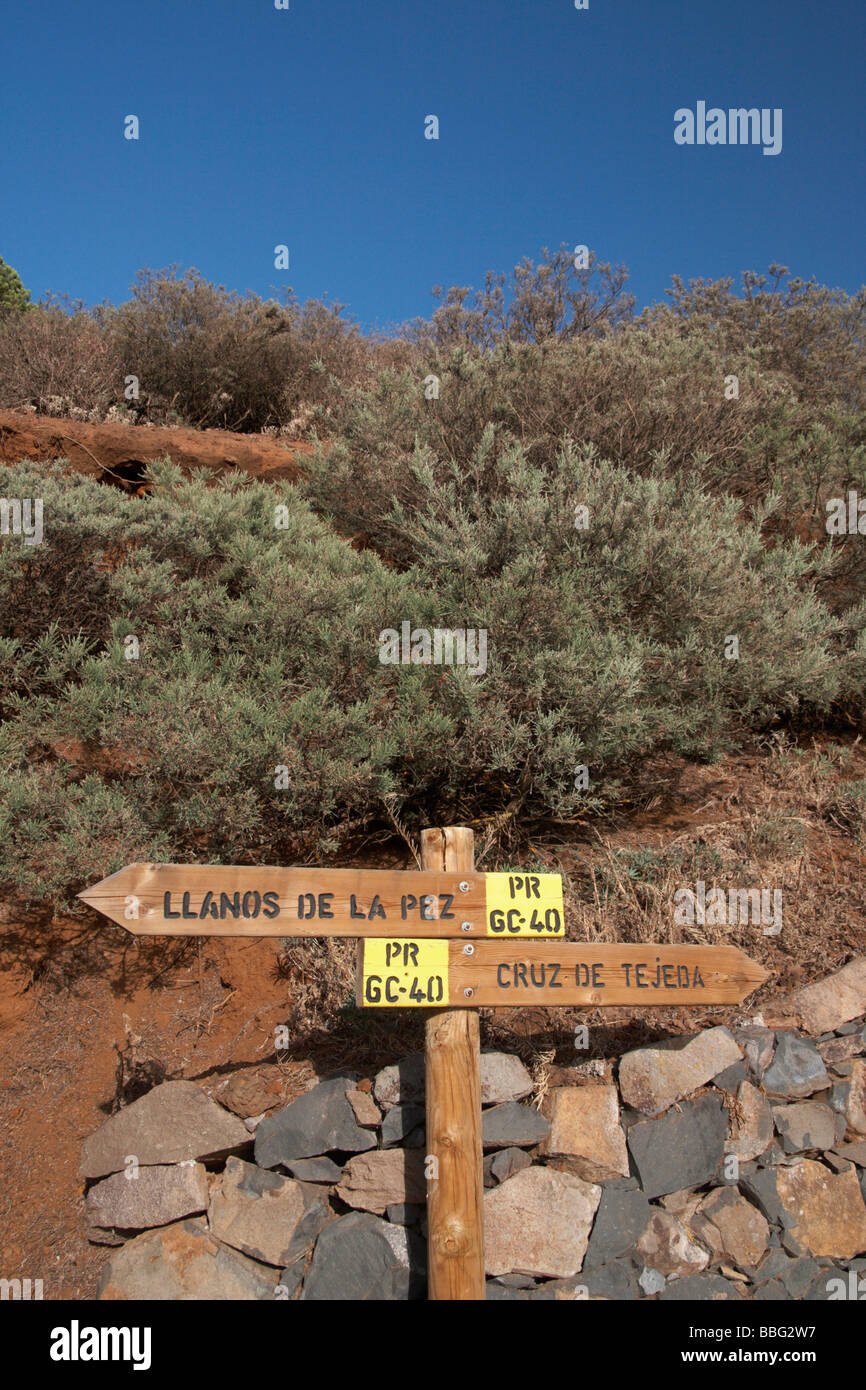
(483, 974)
(240, 900)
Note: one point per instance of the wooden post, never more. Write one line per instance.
(455, 1250)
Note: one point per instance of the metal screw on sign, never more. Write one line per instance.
(465, 926)
(464, 887)
(469, 950)
(469, 993)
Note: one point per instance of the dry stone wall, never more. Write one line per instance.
(730, 1164)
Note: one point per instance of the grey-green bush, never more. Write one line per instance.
(259, 648)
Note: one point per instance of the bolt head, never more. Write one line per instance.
(468, 993)
(465, 926)
(468, 950)
(464, 887)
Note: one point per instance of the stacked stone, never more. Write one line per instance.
(730, 1164)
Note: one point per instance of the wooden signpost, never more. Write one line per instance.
(445, 939)
(401, 973)
(232, 900)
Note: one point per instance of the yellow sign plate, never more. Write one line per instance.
(524, 904)
(404, 974)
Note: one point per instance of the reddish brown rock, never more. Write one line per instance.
(805, 1125)
(827, 1209)
(584, 1124)
(265, 1216)
(855, 1106)
(538, 1223)
(366, 1110)
(652, 1078)
(841, 1049)
(751, 1123)
(154, 1196)
(667, 1246)
(248, 1093)
(826, 1005)
(383, 1178)
(731, 1227)
(682, 1204)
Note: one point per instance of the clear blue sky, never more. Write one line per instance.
(306, 127)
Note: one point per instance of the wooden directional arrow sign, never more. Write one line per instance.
(422, 974)
(236, 900)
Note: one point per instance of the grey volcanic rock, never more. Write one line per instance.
(315, 1170)
(512, 1124)
(682, 1149)
(515, 1281)
(170, 1124)
(797, 1069)
(400, 1121)
(762, 1190)
(621, 1219)
(732, 1077)
(315, 1123)
(616, 1280)
(799, 1275)
(773, 1266)
(405, 1213)
(290, 1280)
(356, 1258)
(506, 1162)
(773, 1291)
(706, 1288)
(495, 1292)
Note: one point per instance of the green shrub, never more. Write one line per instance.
(13, 295)
(259, 649)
